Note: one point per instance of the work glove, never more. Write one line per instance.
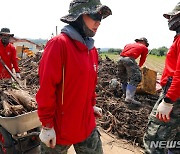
(163, 111)
(18, 75)
(48, 137)
(113, 83)
(97, 111)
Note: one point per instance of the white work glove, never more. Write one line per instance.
(113, 83)
(163, 111)
(18, 75)
(97, 111)
(48, 137)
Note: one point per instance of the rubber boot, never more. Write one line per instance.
(124, 86)
(169, 152)
(130, 92)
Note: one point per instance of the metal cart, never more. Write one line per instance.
(19, 134)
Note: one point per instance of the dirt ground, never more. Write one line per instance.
(111, 144)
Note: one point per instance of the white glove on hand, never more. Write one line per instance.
(48, 137)
(113, 83)
(97, 111)
(163, 111)
(18, 75)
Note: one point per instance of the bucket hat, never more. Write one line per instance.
(174, 12)
(142, 39)
(6, 31)
(79, 7)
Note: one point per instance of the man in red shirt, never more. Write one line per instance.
(68, 77)
(7, 54)
(129, 70)
(164, 121)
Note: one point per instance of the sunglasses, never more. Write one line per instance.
(96, 16)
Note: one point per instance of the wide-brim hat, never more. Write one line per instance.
(6, 31)
(142, 39)
(174, 12)
(79, 7)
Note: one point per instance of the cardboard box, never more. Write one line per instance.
(148, 83)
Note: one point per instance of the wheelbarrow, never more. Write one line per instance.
(19, 134)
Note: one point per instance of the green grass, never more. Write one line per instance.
(152, 62)
(113, 56)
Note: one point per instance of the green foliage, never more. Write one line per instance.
(159, 52)
(116, 51)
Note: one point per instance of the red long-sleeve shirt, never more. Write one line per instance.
(135, 50)
(73, 119)
(8, 55)
(172, 69)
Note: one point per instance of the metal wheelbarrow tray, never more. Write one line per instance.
(21, 123)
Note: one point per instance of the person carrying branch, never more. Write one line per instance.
(129, 71)
(163, 128)
(7, 54)
(68, 76)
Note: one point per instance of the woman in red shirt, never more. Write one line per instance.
(68, 75)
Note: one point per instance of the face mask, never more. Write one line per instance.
(5, 40)
(174, 23)
(81, 27)
(87, 31)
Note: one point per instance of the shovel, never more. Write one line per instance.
(9, 71)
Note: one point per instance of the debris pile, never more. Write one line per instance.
(15, 100)
(119, 118)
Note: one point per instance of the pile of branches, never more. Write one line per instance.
(29, 73)
(124, 120)
(16, 100)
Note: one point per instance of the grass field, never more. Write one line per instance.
(152, 62)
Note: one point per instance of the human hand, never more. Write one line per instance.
(18, 75)
(48, 137)
(163, 111)
(113, 83)
(97, 111)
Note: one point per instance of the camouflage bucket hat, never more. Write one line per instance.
(79, 7)
(142, 39)
(174, 12)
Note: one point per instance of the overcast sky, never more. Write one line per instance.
(131, 19)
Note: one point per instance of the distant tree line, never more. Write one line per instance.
(155, 51)
(39, 41)
(115, 50)
(162, 51)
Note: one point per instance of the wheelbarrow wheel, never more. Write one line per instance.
(6, 142)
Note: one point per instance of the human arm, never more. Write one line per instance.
(173, 92)
(14, 60)
(50, 75)
(143, 56)
(97, 110)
